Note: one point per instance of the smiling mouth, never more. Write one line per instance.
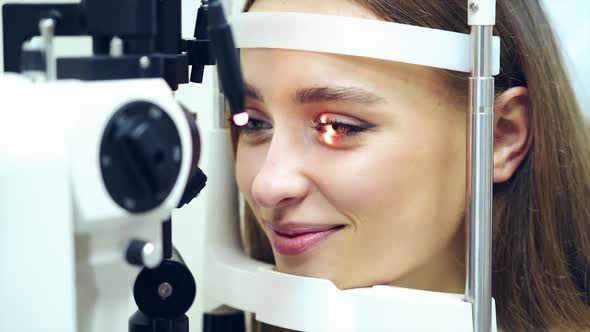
(296, 240)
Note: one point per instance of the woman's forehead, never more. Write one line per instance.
(280, 71)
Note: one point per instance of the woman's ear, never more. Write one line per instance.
(512, 133)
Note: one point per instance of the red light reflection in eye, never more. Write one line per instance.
(329, 132)
(241, 119)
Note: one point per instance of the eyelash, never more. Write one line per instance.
(342, 129)
(338, 126)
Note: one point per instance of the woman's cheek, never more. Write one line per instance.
(367, 178)
(247, 167)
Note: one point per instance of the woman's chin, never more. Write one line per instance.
(305, 270)
(338, 281)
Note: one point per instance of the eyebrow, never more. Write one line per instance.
(336, 93)
(252, 92)
(324, 94)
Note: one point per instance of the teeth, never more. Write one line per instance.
(295, 234)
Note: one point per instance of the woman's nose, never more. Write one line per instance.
(281, 180)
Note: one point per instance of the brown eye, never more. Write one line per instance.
(256, 124)
(332, 129)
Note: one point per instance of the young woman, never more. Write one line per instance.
(368, 158)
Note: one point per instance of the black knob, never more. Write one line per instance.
(166, 292)
(140, 156)
(224, 319)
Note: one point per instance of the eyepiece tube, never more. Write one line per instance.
(226, 54)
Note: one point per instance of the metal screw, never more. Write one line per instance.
(155, 113)
(116, 47)
(129, 202)
(165, 290)
(177, 154)
(106, 161)
(144, 62)
(473, 7)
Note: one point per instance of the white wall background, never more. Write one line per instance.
(571, 23)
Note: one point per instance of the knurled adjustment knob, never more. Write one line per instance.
(140, 156)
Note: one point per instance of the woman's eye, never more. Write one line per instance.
(334, 129)
(253, 126)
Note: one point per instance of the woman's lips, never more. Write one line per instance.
(294, 239)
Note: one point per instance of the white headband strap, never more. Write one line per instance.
(358, 37)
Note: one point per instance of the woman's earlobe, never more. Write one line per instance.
(512, 132)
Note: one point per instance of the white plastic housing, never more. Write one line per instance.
(93, 107)
(358, 37)
(37, 269)
(62, 238)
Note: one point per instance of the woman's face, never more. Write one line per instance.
(354, 167)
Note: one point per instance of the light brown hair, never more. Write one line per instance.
(541, 239)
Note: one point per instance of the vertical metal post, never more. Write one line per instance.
(480, 159)
(47, 30)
